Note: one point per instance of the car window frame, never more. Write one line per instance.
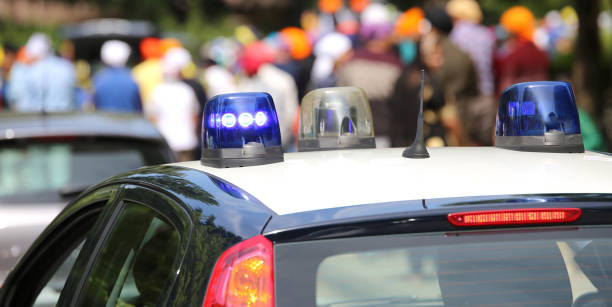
(135, 194)
(60, 231)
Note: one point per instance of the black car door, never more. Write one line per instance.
(138, 256)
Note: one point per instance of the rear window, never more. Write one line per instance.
(49, 171)
(557, 267)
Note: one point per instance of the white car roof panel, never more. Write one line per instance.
(325, 179)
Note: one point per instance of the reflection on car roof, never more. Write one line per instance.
(23, 125)
(109, 27)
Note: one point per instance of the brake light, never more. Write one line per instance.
(514, 216)
(243, 276)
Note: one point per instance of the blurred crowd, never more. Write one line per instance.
(363, 43)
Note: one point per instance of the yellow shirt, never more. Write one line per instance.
(148, 75)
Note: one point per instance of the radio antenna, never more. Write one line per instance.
(418, 150)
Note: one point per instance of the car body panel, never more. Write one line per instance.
(327, 179)
(220, 219)
(19, 226)
(28, 125)
(203, 196)
(409, 217)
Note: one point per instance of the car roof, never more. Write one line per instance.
(24, 125)
(109, 27)
(308, 181)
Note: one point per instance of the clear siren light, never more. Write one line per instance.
(539, 116)
(335, 118)
(240, 129)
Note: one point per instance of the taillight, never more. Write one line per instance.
(514, 216)
(243, 276)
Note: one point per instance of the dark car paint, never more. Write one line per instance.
(221, 218)
(27, 125)
(88, 36)
(411, 217)
(171, 209)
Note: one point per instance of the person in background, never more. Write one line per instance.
(15, 84)
(404, 102)
(327, 15)
(148, 73)
(454, 70)
(263, 76)
(114, 88)
(219, 57)
(519, 59)
(329, 49)
(1, 75)
(173, 106)
(479, 43)
(9, 59)
(294, 56)
(374, 67)
(188, 76)
(474, 39)
(45, 84)
(591, 134)
(84, 88)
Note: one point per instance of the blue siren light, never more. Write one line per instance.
(240, 129)
(539, 116)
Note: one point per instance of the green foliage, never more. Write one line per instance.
(197, 28)
(18, 34)
(493, 9)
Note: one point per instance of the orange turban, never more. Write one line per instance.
(408, 23)
(169, 43)
(358, 6)
(330, 6)
(150, 48)
(298, 41)
(519, 20)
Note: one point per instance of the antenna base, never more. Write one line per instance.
(416, 151)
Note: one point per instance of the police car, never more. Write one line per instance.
(339, 223)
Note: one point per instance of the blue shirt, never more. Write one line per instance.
(115, 90)
(47, 84)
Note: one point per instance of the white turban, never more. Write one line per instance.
(115, 53)
(332, 44)
(376, 14)
(327, 50)
(38, 46)
(175, 60)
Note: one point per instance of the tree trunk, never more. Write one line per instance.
(586, 70)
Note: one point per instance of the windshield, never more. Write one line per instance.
(49, 171)
(486, 268)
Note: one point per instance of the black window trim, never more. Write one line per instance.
(127, 194)
(43, 249)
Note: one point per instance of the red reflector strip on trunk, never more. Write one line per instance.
(514, 217)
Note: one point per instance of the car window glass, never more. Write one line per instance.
(50, 293)
(50, 171)
(557, 267)
(135, 264)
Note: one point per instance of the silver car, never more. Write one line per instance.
(48, 159)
